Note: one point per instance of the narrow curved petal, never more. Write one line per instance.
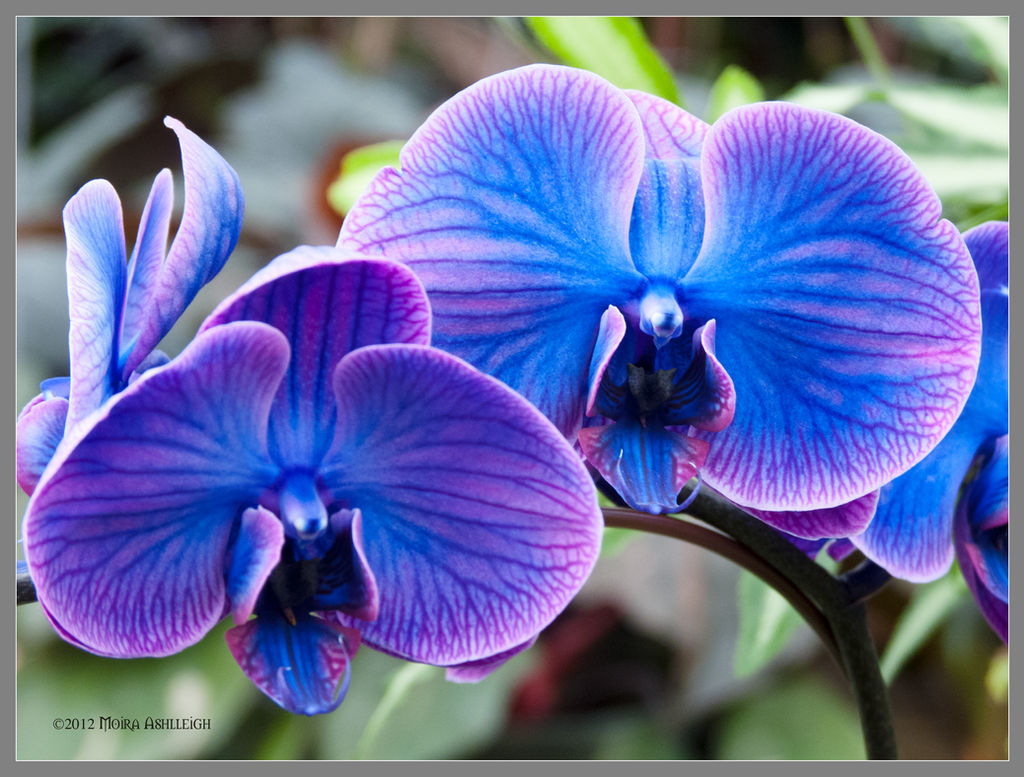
(479, 520)
(345, 579)
(670, 132)
(647, 465)
(823, 524)
(981, 524)
(609, 335)
(256, 552)
(94, 230)
(911, 533)
(146, 259)
(40, 430)
(304, 667)
(128, 532)
(703, 394)
(327, 304)
(981, 539)
(513, 206)
(475, 671)
(848, 312)
(987, 408)
(210, 224)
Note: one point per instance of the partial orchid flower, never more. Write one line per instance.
(772, 301)
(309, 459)
(120, 308)
(912, 532)
(981, 536)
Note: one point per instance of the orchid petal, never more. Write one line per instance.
(210, 226)
(910, 535)
(480, 521)
(346, 581)
(703, 395)
(304, 667)
(848, 310)
(127, 533)
(146, 259)
(825, 523)
(475, 671)
(987, 408)
(94, 231)
(647, 465)
(254, 556)
(327, 304)
(670, 132)
(40, 430)
(609, 334)
(668, 218)
(513, 207)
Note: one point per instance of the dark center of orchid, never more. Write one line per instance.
(650, 389)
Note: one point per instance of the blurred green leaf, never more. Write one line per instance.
(358, 167)
(766, 623)
(997, 678)
(978, 115)
(615, 540)
(614, 47)
(428, 717)
(837, 98)
(974, 177)
(62, 682)
(984, 39)
(929, 606)
(636, 737)
(798, 720)
(734, 87)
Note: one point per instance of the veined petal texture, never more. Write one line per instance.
(210, 225)
(480, 522)
(39, 432)
(327, 304)
(848, 311)
(127, 533)
(96, 267)
(305, 667)
(513, 206)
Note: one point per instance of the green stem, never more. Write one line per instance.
(866, 44)
(842, 608)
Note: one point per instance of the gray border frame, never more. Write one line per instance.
(463, 8)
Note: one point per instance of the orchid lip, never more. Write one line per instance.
(302, 511)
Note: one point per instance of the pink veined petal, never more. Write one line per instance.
(40, 430)
(848, 310)
(480, 522)
(513, 206)
(127, 533)
(327, 303)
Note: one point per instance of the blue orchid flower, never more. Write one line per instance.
(912, 532)
(772, 301)
(121, 308)
(310, 460)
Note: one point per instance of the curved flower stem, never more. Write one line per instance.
(728, 548)
(841, 606)
(820, 597)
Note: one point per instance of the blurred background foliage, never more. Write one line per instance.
(668, 652)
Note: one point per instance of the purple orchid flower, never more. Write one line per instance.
(912, 532)
(120, 308)
(309, 459)
(773, 301)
